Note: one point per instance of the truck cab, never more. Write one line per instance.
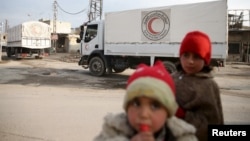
(92, 48)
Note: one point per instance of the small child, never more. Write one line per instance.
(197, 93)
(150, 107)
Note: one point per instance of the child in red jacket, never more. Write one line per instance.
(196, 92)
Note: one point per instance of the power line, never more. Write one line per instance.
(69, 12)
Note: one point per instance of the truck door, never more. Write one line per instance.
(90, 40)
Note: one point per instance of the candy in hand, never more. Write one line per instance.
(144, 128)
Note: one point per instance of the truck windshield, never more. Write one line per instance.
(91, 32)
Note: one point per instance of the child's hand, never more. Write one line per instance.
(143, 136)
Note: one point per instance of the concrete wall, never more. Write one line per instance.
(239, 40)
(61, 27)
(73, 46)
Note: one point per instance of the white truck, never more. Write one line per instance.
(127, 38)
(28, 40)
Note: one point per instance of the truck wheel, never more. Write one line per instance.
(97, 67)
(170, 67)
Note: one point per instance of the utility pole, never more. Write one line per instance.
(3, 36)
(95, 10)
(1, 31)
(54, 34)
(6, 26)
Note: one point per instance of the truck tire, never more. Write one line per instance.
(97, 67)
(170, 67)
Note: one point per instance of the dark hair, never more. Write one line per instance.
(205, 69)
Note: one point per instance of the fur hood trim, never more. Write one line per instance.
(115, 128)
(182, 130)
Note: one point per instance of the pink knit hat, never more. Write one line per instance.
(153, 82)
(199, 43)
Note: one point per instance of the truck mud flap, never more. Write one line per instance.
(83, 62)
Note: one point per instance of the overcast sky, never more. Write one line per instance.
(18, 11)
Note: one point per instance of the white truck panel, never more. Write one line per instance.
(143, 49)
(123, 27)
(209, 17)
(124, 36)
(164, 50)
(33, 34)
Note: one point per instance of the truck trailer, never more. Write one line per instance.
(125, 39)
(28, 40)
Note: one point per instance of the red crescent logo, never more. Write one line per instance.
(151, 30)
(155, 25)
(86, 47)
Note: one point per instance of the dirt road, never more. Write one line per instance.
(54, 99)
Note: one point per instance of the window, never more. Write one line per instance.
(234, 48)
(91, 32)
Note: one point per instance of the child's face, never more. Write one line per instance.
(191, 62)
(147, 111)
